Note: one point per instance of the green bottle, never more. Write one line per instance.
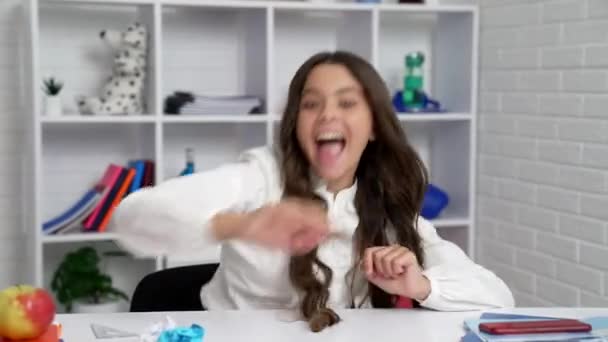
(413, 81)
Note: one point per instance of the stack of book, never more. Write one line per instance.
(92, 212)
(518, 328)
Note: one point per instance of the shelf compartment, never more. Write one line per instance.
(300, 32)
(214, 51)
(445, 38)
(213, 144)
(444, 147)
(126, 271)
(74, 160)
(72, 51)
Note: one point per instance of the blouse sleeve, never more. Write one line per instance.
(457, 283)
(172, 218)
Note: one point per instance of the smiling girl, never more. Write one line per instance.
(327, 219)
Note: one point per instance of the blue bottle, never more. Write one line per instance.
(189, 169)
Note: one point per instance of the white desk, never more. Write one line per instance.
(268, 326)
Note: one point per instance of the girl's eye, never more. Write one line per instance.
(309, 104)
(347, 104)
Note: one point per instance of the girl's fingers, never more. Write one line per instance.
(379, 264)
(391, 261)
(368, 260)
(406, 260)
(387, 261)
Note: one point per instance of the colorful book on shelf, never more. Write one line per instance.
(139, 166)
(148, 173)
(76, 224)
(122, 190)
(107, 182)
(74, 215)
(599, 329)
(107, 202)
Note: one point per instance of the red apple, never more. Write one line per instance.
(26, 312)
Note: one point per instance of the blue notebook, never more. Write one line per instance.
(78, 211)
(139, 167)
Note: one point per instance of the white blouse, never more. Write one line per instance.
(172, 219)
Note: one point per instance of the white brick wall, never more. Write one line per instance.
(586, 31)
(595, 106)
(596, 56)
(560, 105)
(563, 10)
(535, 36)
(562, 57)
(543, 164)
(10, 131)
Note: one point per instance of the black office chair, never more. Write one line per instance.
(173, 289)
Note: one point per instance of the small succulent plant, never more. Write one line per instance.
(52, 87)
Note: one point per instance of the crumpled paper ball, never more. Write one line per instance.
(168, 331)
(194, 333)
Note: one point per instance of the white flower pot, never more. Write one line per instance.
(104, 307)
(52, 106)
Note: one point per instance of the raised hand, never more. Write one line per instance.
(294, 225)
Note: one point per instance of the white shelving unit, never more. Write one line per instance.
(228, 48)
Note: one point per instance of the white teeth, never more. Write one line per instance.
(330, 136)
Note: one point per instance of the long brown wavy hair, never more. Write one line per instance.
(390, 188)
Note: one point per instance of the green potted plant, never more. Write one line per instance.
(81, 287)
(52, 88)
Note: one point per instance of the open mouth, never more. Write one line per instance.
(330, 146)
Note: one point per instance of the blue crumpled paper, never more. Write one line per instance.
(168, 331)
(194, 333)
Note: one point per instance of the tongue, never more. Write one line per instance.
(330, 151)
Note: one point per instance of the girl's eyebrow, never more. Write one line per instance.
(347, 89)
(339, 91)
(309, 90)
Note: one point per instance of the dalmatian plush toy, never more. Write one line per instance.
(124, 91)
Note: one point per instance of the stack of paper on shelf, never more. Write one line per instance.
(192, 104)
(230, 105)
